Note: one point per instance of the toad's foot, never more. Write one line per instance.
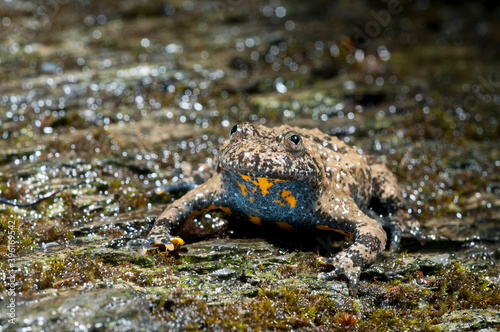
(344, 265)
(397, 224)
(396, 231)
(162, 240)
(417, 233)
(408, 224)
(370, 240)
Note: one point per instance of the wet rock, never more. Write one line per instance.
(92, 308)
(115, 99)
(471, 319)
(50, 68)
(114, 257)
(224, 273)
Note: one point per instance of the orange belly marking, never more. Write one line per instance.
(327, 228)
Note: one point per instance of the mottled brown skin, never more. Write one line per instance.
(299, 178)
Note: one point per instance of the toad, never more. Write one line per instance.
(299, 179)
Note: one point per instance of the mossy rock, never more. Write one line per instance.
(114, 257)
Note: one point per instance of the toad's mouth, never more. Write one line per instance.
(271, 176)
(267, 174)
(287, 174)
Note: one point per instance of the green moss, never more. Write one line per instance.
(16, 236)
(78, 268)
(130, 198)
(27, 231)
(301, 263)
(392, 319)
(282, 309)
(416, 303)
(74, 269)
(116, 257)
(423, 300)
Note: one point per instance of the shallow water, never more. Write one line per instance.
(114, 99)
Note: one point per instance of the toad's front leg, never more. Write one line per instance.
(199, 200)
(369, 240)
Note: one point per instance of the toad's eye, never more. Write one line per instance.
(295, 139)
(234, 129)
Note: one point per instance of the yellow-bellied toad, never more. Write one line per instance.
(299, 179)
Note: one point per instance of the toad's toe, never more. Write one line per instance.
(344, 266)
(162, 243)
(416, 232)
(396, 235)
